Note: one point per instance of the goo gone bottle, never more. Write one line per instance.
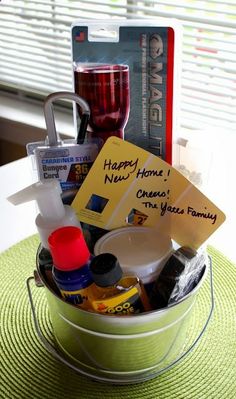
(71, 260)
(112, 293)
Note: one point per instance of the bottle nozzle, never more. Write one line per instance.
(47, 195)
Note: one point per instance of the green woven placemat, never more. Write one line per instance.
(28, 371)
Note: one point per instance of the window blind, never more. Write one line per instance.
(36, 54)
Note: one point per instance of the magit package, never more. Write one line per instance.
(128, 71)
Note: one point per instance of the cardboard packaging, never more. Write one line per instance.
(150, 50)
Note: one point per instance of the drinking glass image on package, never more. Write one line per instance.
(106, 89)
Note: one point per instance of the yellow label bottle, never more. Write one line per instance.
(113, 294)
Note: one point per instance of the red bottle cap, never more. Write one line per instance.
(68, 248)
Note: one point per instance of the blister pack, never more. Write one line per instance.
(128, 72)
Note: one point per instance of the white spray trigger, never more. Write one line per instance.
(48, 197)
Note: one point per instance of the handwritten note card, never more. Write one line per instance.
(129, 186)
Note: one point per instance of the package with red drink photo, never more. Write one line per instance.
(128, 71)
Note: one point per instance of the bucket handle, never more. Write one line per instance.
(51, 349)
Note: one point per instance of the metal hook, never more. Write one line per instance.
(53, 137)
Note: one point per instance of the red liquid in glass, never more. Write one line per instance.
(106, 89)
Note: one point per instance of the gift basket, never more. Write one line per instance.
(122, 257)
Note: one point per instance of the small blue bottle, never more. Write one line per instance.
(71, 259)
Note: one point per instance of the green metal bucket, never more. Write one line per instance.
(120, 349)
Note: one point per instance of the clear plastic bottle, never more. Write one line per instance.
(112, 292)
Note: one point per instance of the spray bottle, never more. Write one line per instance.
(52, 212)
